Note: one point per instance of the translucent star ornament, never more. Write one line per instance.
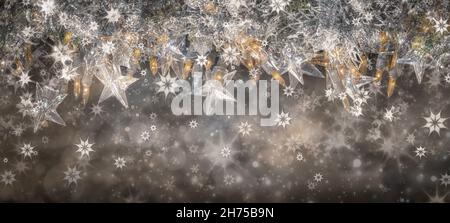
(114, 83)
(47, 101)
(297, 66)
(417, 61)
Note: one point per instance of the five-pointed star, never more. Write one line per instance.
(47, 100)
(114, 84)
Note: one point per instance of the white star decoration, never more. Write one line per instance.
(113, 15)
(420, 152)
(72, 175)
(114, 84)
(167, 85)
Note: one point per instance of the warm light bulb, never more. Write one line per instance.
(153, 65)
(86, 92)
(77, 88)
(187, 67)
(67, 38)
(391, 86)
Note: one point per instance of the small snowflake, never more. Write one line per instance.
(108, 47)
(245, 128)
(225, 152)
(145, 135)
(342, 95)
(445, 179)
(120, 162)
(202, 60)
(440, 25)
(195, 168)
(420, 152)
(318, 177)
(93, 26)
(229, 180)
(8, 178)
(153, 128)
(288, 91)
(193, 124)
(410, 139)
(447, 78)
(113, 15)
(27, 150)
(230, 55)
(24, 79)
(193, 149)
(300, 157)
(283, 119)
(278, 5)
(21, 166)
(329, 93)
(47, 7)
(356, 110)
(167, 85)
(28, 32)
(389, 114)
(96, 109)
(312, 185)
(153, 116)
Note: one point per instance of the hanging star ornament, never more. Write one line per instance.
(114, 83)
(47, 101)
